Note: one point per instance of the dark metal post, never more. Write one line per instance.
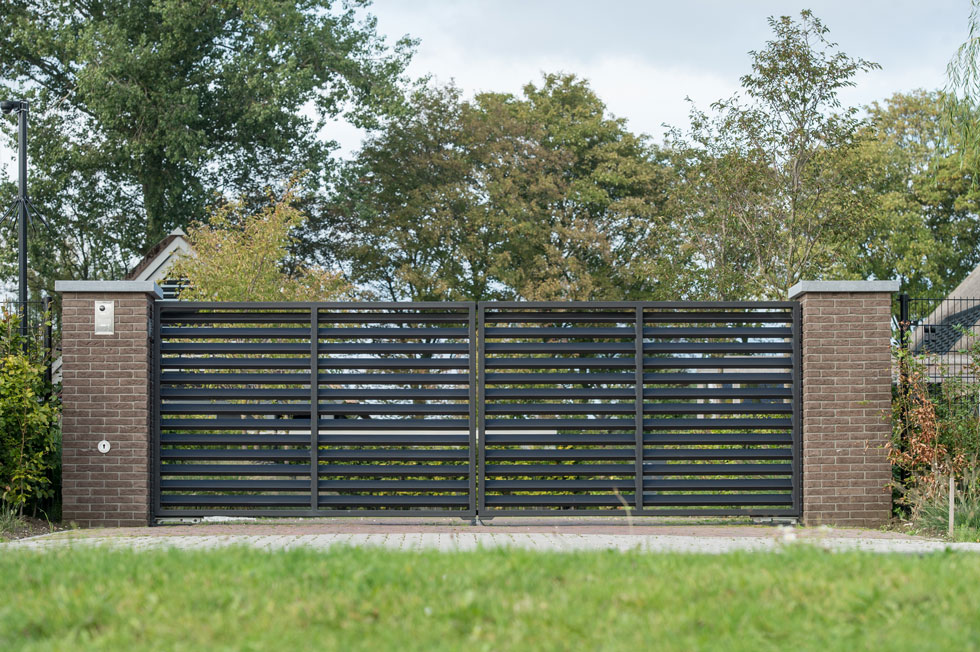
(48, 353)
(796, 378)
(638, 353)
(314, 408)
(481, 406)
(471, 399)
(22, 225)
(156, 381)
(904, 387)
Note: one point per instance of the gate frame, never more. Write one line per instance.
(794, 511)
(160, 513)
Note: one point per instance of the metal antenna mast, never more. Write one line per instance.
(20, 204)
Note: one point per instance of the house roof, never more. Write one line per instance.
(953, 321)
(160, 257)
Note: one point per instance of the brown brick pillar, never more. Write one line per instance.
(106, 397)
(846, 401)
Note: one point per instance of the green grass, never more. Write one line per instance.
(370, 599)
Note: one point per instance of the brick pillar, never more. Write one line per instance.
(846, 401)
(106, 396)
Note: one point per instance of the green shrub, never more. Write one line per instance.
(936, 434)
(30, 439)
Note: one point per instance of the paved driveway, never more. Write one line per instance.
(561, 535)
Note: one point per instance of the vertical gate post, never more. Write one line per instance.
(638, 416)
(314, 408)
(106, 397)
(846, 401)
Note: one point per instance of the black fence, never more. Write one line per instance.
(42, 326)
(461, 409)
(944, 331)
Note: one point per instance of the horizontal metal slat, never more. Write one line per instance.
(560, 485)
(493, 393)
(391, 454)
(235, 485)
(233, 454)
(543, 378)
(394, 425)
(243, 348)
(437, 378)
(412, 439)
(259, 469)
(559, 469)
(395, 501)
(518, 439)
(757, 362)
(726, 484)
(717, 317)
(559, 347)
(394, 363)
(658, 499)
(571, 332)
(383, 470)
(559, 316)
(235, 363)
(607, 500)
(177, 378)
(670, 332)
(656, 468)
(701, 378)
(393, 408)
(654, 454)
(265, 500)
(560, 454)
(393, 333)
(220, 439)
(715, 347)
(630, 408)
(717, 438)
(243, 393)
(394, 485)
(395, 347)
(560, 424)
(721, 423)
(235, 424)
(559, 363)
(200, 332)
(709, 393)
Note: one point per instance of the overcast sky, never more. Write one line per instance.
(644, 57)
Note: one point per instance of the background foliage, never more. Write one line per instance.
(30, 436)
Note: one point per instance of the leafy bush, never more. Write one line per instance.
(30, 455)
(936, 434)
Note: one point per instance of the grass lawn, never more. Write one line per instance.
(370, 599)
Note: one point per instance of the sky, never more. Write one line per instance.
(644, 58)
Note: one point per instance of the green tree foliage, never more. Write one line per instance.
(142, 110)
(30, 455)
(962, 93)
(541, 196)
(924, 228)
(770, 191)
(242, 254)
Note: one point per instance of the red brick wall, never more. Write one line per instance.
(846, 408)
(105, 395)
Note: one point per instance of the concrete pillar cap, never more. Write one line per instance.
(805, 287)
(141, 287)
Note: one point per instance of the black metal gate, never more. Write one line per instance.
(460, 409)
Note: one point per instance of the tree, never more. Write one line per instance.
(242, 255)
(769, 190)
(143, 110)
(926, 229)
(543, 196)
(962, 93)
